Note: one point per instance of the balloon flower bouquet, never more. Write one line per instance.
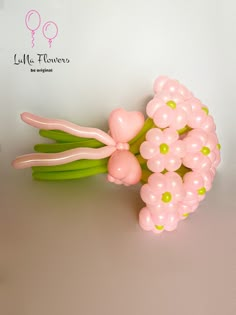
(173, 153)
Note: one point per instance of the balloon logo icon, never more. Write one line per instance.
(33, 21)
(50, 31)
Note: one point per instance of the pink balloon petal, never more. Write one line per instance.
(199, 134)
(172, 162)
(163, 117)
(155, 136)
(217, 160)
(174, 181)
(212, 141)
(193, 160)
(172, 221)
(191, 196)
(179, 148)
(148, 150)
(159, 83)
(195, 103)
(206, 164)
(197, 118)
(193, 144)
(179, 119)
(212, 156)
(171, 86)
(182, 90)
(157, 182)
(159, 217)
(208, 125)
(153, 105)
(185, 106)
(170, 135)
(193, 180)
(157, 163)
(145, 220)
(208, 179)
(148, 196)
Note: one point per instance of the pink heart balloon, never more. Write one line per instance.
(124, 168)
(124, 125)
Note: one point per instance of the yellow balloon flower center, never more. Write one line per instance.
(202, 191)
(164, 148)
(171, 104)
(205, 150)
(166, 197)
(159, 227)
(206, 110)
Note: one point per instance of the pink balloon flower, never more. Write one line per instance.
(163, 150)
(159, 221)
(162, 195)
(169, 108)
(194, 152)
(196, 185)
(202, 150)
(185, 208)
(198, 117)
(171, 86)
(162, 190)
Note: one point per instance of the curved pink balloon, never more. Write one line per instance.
(50, 31)
(49, 159)
(66, 126)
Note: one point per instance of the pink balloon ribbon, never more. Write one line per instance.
(50, 159)
(66, 126)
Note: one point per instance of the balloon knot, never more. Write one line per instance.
(122, 146)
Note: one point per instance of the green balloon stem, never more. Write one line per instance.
(60, 147)
(67, 175)
(72, 166)
(61, 136)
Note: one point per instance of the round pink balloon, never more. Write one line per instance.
(33, 20)
(50, 31)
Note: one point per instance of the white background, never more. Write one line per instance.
(76, 247)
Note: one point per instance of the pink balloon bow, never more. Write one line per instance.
(123, 166)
